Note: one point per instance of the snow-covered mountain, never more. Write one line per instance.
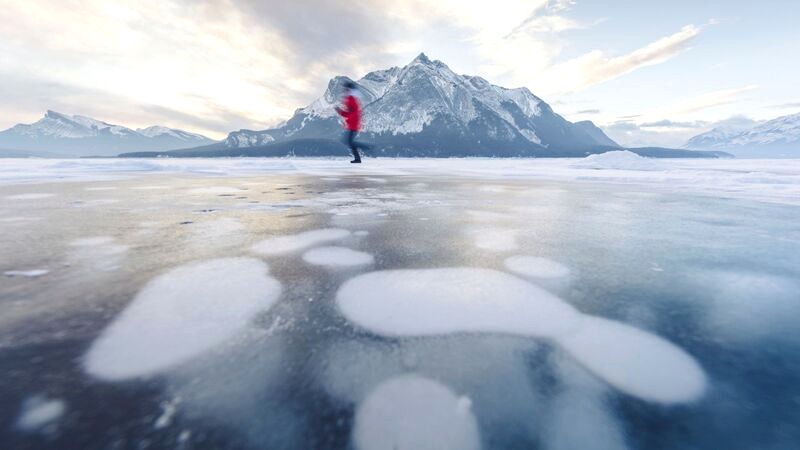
(64, 135)
(773, 138)
(425, 109)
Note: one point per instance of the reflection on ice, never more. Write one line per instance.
(180, 315)
(415, 413)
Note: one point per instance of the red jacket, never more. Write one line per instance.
(351, 113)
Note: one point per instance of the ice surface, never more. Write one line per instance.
(621, 159)
(778, 180)
(32, 196)
(452, 300)
(97, 253)
(26, 273)
(748, 306)
(39, 411)
(536, 267)
(410, 412)
(181, 314)
(495, 239)
(292, 243)
(635, 362)
(337, 257)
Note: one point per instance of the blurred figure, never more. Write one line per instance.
(351, 111)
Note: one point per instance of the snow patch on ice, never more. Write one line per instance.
(38, 412)
(412, 412)
(33, 196)
(292, 243)
(181, 314)
(618, 159)
(26, 273)
(452, 300)
(635, 361)
(101, 188)
(532, 266)
(337, 257)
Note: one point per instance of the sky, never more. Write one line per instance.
(648, 72)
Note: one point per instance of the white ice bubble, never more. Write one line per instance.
(410, 412)
(150, 188)
(38, 412)
(452, 300)
(292, 243)
(495, 239)
(181, 314)
(634, 361)
(532, 266)
(33, 196)
(337, 257)
(26, 273)
(361, 233)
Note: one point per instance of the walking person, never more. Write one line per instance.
(351, 111)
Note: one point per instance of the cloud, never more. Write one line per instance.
(791, 105)
(672, 124)
(701, 102)
(588, 111)
(596, 67)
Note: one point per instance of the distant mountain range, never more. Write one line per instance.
(774, 138)
(425, 109)
(58, 134)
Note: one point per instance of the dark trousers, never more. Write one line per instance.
(350, 141)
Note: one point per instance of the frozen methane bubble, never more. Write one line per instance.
(181, 314)
(337, 257)
(410, 412)
(453, 300)
(38, 412)
(536, 267)
(288, 244)
(635, 362)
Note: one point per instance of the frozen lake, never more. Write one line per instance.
(412, 304)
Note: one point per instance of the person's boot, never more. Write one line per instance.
(356, 161)
(356, 157)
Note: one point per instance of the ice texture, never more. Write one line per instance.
(181, 314)
(410, 412)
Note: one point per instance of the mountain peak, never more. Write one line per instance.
(50, 114)
(422, 58)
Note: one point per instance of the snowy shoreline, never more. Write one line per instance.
(770, 180)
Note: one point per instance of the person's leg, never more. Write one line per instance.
(353, 145)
